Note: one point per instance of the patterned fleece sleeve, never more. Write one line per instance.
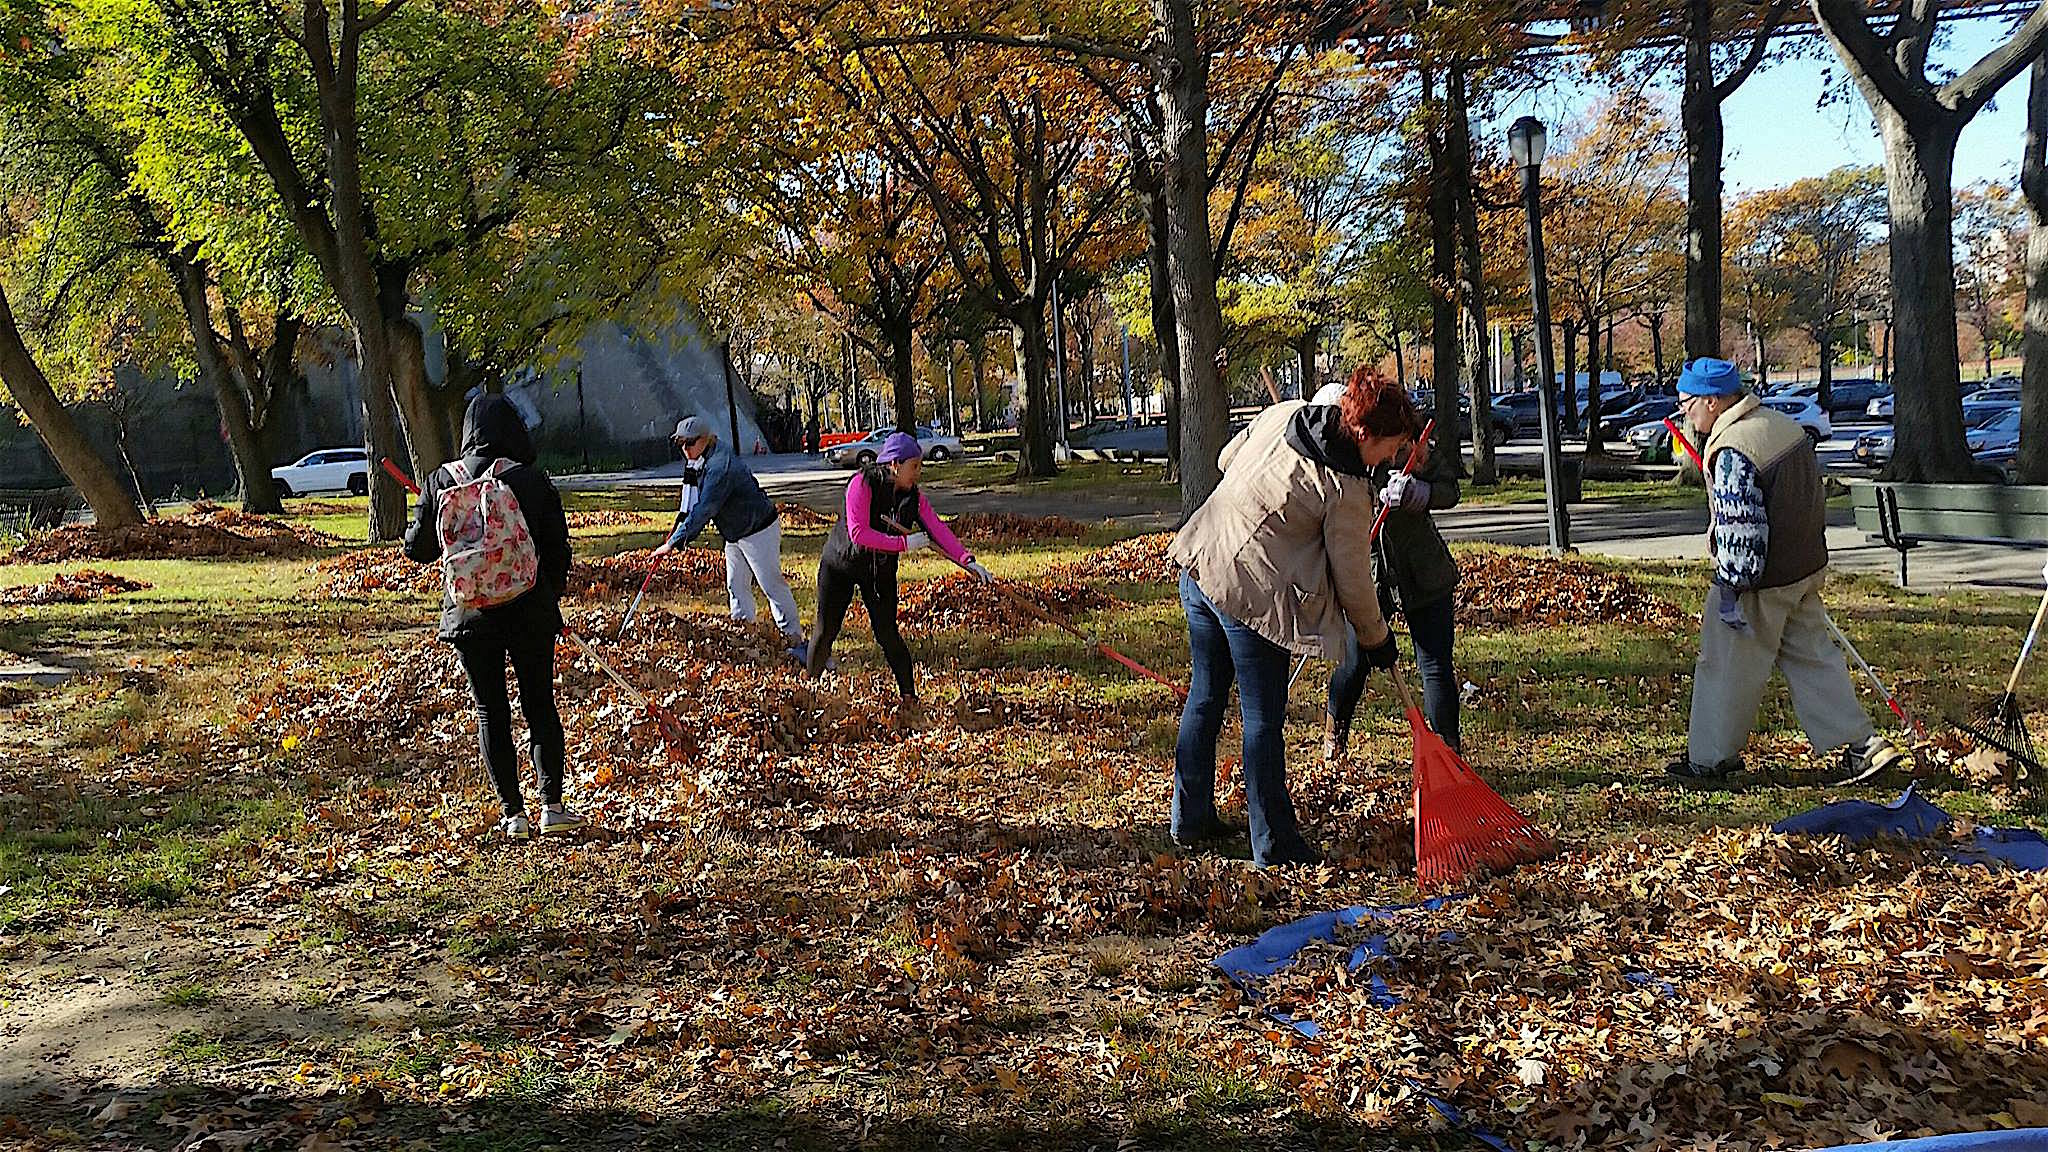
(1742, 530)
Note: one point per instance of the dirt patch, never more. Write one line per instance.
(72, 588)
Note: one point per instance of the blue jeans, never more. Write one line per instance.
(1221, 650)
(1433, 627)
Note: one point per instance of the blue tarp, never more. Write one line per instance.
(2017, 1140)
(1911, 816)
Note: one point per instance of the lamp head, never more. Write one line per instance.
(1526, 140)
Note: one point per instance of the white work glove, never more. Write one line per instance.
(980, 573)
(916, 541)
(1405, 491)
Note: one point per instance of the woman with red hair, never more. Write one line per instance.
(1277, 561)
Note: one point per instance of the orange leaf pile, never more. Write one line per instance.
(156, 540)
(960, 601)
(1010, 528)
(610, 518)
(1139, 560)
(72, 588)
(1526, 590)
(802, 517)
(357, 574)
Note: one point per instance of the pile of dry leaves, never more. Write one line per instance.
(1525, 590)
(1139, 560)
(802, 517)
(254, 526)
(1010, 528)
(684, 571)
(167, 539)
(72, 588)
(1742, 990)
(356, 575)
(960, 601)
(610, 518)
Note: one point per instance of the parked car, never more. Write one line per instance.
(1989, 404)
(1653, 409)
(1996, 443)
(1811, 416)
(1874, 449)
(1880, 407)
(326, 470)
(938, 448)
(1653, 440)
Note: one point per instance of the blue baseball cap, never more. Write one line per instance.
(1707, 376)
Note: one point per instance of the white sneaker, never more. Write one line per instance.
(515, 828)
(558, 818)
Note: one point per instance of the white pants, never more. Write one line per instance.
(1788, 630)
(758, 560)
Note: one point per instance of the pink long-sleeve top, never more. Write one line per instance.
(860, 510)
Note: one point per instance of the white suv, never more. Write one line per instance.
(327, 470)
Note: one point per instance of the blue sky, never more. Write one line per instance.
(1779, 129)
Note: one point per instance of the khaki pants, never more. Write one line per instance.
(1787, 630)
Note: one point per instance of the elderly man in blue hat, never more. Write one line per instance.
(1769, 545)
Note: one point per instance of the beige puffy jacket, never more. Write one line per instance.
(1283, 544)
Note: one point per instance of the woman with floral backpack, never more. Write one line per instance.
(495, 523)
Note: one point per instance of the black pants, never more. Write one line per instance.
(1434, 628)
(533, 661)
(876, 583)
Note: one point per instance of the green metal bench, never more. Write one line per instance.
(1905, 516)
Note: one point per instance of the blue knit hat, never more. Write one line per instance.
(1707, 376)
(899, 446)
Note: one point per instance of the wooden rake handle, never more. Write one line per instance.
(2033, 632)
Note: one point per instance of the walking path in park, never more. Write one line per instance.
(1624, 530)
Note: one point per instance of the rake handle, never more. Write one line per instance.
(653, 566)
(404, 481)
(1408, 469)
(1401, 689)
(1890, 701)
(637, 696)
(1679, 438)
(2033, 631)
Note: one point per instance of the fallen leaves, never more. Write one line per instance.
(168, 539)
(802, 517)
(960, 601)
(72, 588)
(611, 518)
(1139, 560)
(1521, 589)
(358, 574)
(1011, 528)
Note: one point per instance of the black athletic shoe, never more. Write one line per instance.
(1727, 774)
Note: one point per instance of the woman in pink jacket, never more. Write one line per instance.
(885, 516)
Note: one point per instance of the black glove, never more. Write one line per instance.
(1383, 654)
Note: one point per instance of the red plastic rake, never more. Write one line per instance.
(1460, 823)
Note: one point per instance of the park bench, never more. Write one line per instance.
(1905, 516)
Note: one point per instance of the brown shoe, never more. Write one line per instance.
(1336, 737)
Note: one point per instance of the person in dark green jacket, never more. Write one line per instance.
(1415, 574)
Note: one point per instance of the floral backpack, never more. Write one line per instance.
(487, 555)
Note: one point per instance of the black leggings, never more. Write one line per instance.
(533, 661)
(877, 586)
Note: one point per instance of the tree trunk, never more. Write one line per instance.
(1824, 341)
(88, 472)
(1596, 444)
(1034, 400)
(1568, 389)
(1447, 359)
(237, 416)
(977, 355)
(1400, 368)
(1515, 353)
(902, 375)
(1700, 118)
(1657, 345)
(1305, 360)
(134, 474)
(1191, 253)
(1919, 162)
(2033, 457)
(1477, 383)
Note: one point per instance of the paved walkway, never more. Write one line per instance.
(1607, 529)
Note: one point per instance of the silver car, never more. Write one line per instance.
(937, 447)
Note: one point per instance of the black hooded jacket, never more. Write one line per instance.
(492, 430)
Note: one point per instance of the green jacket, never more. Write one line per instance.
(1411, 559)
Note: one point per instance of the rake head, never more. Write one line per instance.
(2004, 727)
(1460, 823)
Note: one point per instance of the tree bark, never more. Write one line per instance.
(902, 374)
(1446, 357)
(1191, 253)
(237, 408)
(1400, 368)
(2033, 456)
(1596, 444)
(1656, 323)
(1165, 329)
(1700, 118)
(112, 506)
(1927, 403)
(1568, 388)
(1824, 342)
(1034, 400)
(1476, 380)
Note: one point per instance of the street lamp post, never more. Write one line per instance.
(1526, 140)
